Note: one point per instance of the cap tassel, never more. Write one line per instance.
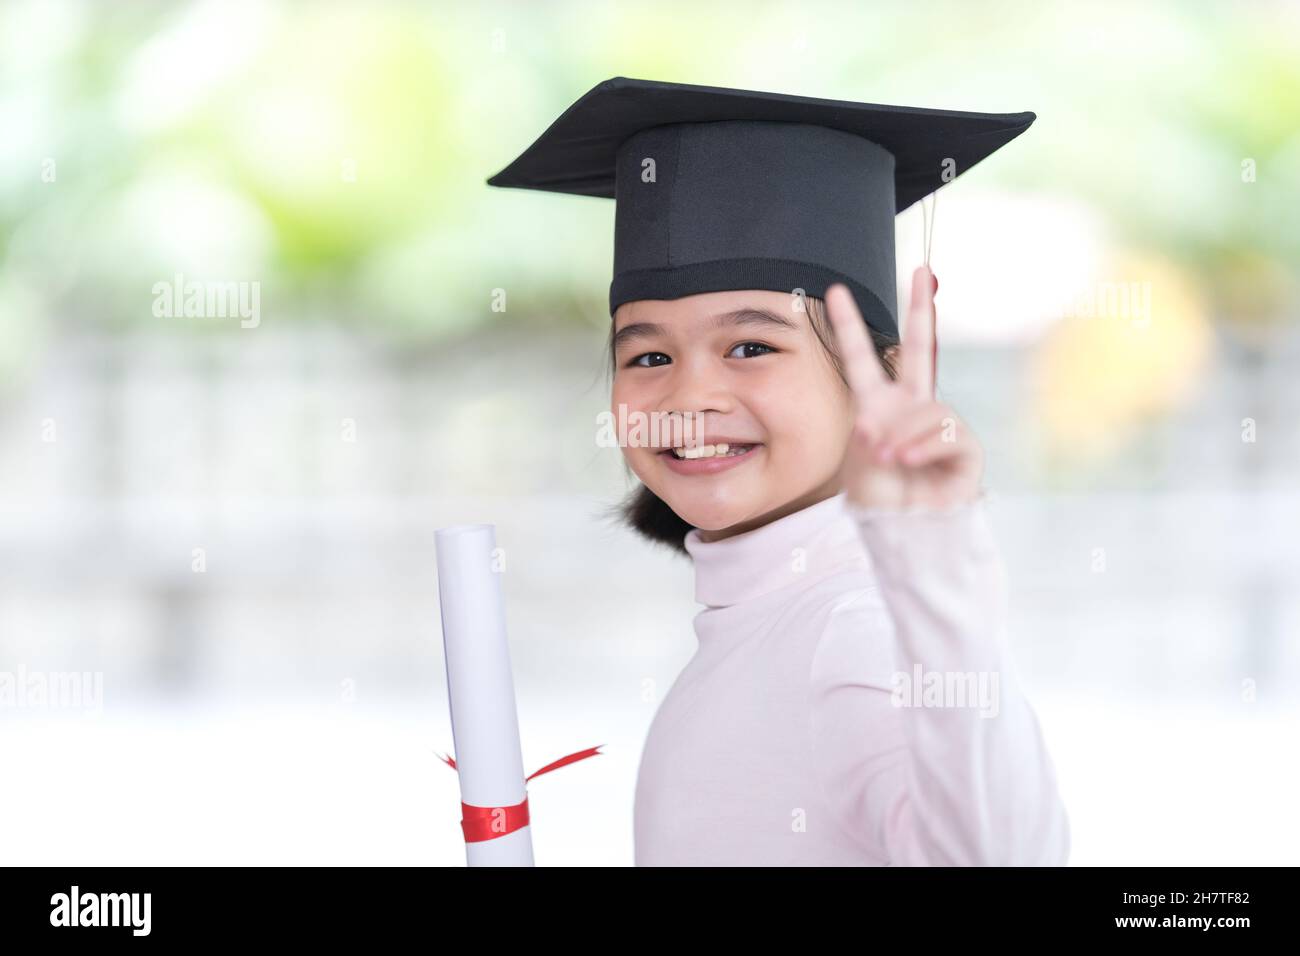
(927, 240)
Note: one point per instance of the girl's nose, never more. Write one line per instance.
(698, 387)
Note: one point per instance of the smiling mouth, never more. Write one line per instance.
(720, 450)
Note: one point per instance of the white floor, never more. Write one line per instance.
(301, 783)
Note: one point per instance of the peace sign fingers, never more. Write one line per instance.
(906, 449)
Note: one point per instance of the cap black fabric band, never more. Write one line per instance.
(720, 275)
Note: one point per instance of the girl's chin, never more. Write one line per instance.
(711, 512)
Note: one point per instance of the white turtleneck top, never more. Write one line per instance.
(851, 702)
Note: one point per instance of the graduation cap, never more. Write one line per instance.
(720, 189)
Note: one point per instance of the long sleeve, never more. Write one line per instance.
(916, 778)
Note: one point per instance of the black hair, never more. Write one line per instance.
(649, 515)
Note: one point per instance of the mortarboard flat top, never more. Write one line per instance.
(731, 189)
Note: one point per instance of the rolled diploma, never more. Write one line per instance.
(480, 688)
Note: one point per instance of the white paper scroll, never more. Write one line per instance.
(480, 688)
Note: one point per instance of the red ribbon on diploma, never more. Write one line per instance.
(488, 823)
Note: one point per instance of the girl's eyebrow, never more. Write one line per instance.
(747, 316)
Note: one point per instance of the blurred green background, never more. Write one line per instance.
(216, 139)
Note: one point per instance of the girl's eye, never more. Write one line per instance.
(757, 345)
(743, 345)
(637, 360)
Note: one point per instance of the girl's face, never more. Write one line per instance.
(751, 368)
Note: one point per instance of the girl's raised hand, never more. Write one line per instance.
(906, 450)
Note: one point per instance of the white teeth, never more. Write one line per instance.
(710, 451)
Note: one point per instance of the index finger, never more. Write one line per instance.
(861, 366)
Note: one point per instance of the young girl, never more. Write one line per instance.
(851, 700)
(839, 543)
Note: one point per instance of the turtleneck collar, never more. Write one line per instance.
(802, 546)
